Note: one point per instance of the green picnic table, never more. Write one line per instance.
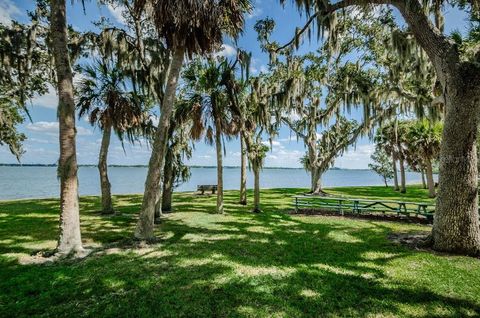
(359, 205)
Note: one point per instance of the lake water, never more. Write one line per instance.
(41, 182)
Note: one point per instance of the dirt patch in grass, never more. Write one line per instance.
(417, 240)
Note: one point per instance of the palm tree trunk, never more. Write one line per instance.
(403, 188)
(424, 184)
(70, 239)
(158, 205)
(167, 195)
(243, 172)
(430, 182)
(395, 174)
(144, 229)
(256, 189)
(168, 178)
(107, 207)
(218, 146)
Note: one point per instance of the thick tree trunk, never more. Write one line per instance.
(243, 172)
(70, 238)
(218, 146)
(314, 175)
(395, 174)
(456, 225)
(385, 181)
(401, 161)
(167, 195)
(144, 229)
(313, 179)
(168, 178)
(317, 182)
(107, 206)
(430, 182)
(256, 189)
(424, 184)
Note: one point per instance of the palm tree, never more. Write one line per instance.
(425, 138)
(70, 239)
(400, 135)
(414, 160)
(386, 139)
(212, 111)
(103, 95)
(253, 115)
(179, 147)
(188, 27)
(243, 171)
(257, 153)
(176, 172)
(237, 90)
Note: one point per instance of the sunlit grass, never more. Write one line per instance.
(234, 265)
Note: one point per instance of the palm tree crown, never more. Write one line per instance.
(197, 26)
(103, 95)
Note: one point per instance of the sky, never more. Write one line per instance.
(42, 146)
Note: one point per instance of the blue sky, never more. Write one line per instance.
(42, 143)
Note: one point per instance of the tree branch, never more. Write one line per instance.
(436, 45)
(293, 128)
(328, 10)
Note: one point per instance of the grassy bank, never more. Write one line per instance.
(233, 265)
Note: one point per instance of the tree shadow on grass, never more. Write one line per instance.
(234, 265)
(240, 269)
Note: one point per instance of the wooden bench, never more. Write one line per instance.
(207, 187)
(358, 206)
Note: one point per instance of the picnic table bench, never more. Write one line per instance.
(358, 206)
(207, 187)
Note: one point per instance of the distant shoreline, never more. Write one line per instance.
(145, 166)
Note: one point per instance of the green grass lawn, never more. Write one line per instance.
(233, 265)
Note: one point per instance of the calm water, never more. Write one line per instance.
(41, 182)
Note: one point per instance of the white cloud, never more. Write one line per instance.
(226, 51)
(273, 143)
(47, 127)
(117, 13)
(282, 157)
(356, 157)
(46, 141)
(8, 10)
(49, 100)
(293, 115)
(82, 131)
(51, 128)
(257, 11)
(292, 137)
